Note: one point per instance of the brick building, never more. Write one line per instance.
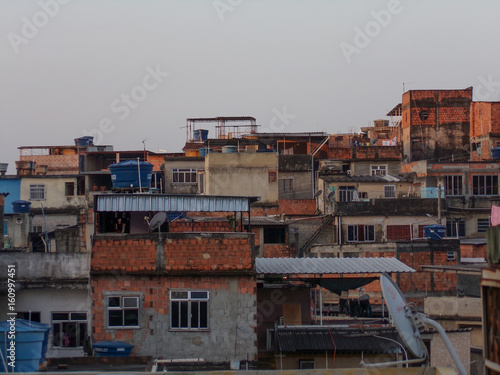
(435, 123)
(484, 129)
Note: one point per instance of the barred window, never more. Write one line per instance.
(389, 191)
(184, 176)
(37, 192)
(189, 309)
(485, 185)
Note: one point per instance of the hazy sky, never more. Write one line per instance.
(125, 71)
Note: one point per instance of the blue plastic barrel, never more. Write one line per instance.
(204, 151)
(21, 207)
(126, 174)
(112, 349)
(495, 153)
(27, 342)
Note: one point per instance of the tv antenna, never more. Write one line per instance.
(408, 324)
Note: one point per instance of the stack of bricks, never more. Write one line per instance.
(297, 206)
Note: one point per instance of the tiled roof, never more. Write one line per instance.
(280, 266)
(324, 338)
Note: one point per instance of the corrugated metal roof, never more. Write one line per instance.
(323, 339)
(167, 202)
(280, 266)
(347, 178)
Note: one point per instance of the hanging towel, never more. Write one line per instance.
(495, 215)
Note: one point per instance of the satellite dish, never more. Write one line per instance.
(157, 220)
(318, 193)
(330, 196)
(401, 316)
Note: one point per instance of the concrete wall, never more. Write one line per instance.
(232, 321)
(243, 174)
(48, 266)
(47, 301)
(365, 168)
(440, 355)
(453, 306)
(54, 192)
(181, 163)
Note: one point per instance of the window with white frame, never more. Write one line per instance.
(123, 311)
(184, 175)
(455, 228)
(379, 170)
(483, 225)
(189, 309)
(360, 233)
(485, 185)
(37, 192)
(453, 185)
(69, 329)
(389, 191)
(346, 193)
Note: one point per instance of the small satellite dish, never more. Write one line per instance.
(157, 220)
(402, 317)
(318, 193)
(330, 196)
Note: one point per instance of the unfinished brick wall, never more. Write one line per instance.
(278, 251)
(181, 252)
(202, 226)
(485, 118)
(340, 153)
(473, 251)
(435, 123)
(297, 206)
(232, 308)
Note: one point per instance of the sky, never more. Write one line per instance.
(130, 73)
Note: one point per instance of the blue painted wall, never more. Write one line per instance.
(13, 187)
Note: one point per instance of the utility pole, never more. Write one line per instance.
(439, 204)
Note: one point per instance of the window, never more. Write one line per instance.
(379, 170)
(453, 185)
(69, 329)
(123, 311)
(450, 255)
(33, 316)
(485, 185)
(360, 233)
(389, 191)
(69, 189)
(37, 229)
(184, 176)
(346, 193)
(37, 192)
(452, 226)
(274, 235)
(286, 184)
(306, 364)
(483, 225)
(188, 309)
(272, 176)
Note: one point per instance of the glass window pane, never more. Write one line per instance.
(178, 295)
(130, 302)
(194, 314)
(78, 316)
(175, 314)
(199, 295)
(69, 335)
(114, 301)
(131, 317)
(60, 316)
(184, 314)
(115, 318)
(203, 314)
(56, 327)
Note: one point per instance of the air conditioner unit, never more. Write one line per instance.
(349, 172)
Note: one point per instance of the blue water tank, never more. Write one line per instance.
(126, 174)
(21, 207)
(200, 134)
(204, 151)
(112, 349)
(435, 232)
(28, 343)
(495, 153)
(228, 149)
(43, 326)
(84, 141)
